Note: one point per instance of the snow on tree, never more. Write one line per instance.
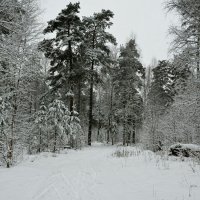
(181, 122)
(64, 127)
(57, 111)
(61, 50)
(187, 34)
(5, 151)
(96, 40)
(39, 138)
(74, 131)
(128, 82)
(19, 69)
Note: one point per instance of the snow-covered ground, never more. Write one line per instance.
(95, 174)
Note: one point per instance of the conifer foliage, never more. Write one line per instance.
(96, 41)
(128, 83)
(61, 50)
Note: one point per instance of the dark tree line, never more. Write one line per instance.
(80, 55)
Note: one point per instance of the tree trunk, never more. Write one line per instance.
(198, 86)
(91, 94)
(55, 140)
(91, 106)
(124, 126)
(111, 112)
(133, 133)
(108, 135)
(124, 132)
(79, 97)
(129, 138)
(112, 139)
(198, 57)
(11, 143)
(71, 101)
(98, 129)
(40, 140)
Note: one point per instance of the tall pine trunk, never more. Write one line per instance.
(198, 86)
(133, 133)
(79, 97)
(111, 111)
(71, 100)
(40, 140)
(91, 106)
(98, 129)
(91, 94)
(124, 125)
(11, 142)
(124, 132)
(55, 140)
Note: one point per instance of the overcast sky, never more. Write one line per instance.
(146, 19)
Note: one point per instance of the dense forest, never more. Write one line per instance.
(68, 84)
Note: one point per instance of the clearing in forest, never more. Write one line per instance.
(101, 173)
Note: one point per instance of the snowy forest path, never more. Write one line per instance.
(93, 173)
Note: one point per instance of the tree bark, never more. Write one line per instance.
(79, 97)
(55, 140)
(124, 126)
(91, 94)
(91, 106)
(133, 133)
(40, 140)
(71, 101)
(198, 85)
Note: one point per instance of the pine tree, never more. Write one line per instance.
(65, 128)
(161, 88)
(167, 79)
(74, 131)
(96, 41)
(128, 82)
(61, 50)
(41, 127)
(56, 114)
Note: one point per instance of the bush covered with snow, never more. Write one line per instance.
(186, 150)
(126, 152)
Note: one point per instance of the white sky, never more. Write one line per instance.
(146, 19)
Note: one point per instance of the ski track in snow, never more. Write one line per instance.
(94, 174)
